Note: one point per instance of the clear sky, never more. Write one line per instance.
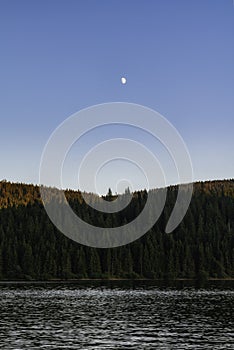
(57, 57)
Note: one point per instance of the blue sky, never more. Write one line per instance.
(58, 57)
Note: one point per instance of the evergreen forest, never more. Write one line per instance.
(202, 246)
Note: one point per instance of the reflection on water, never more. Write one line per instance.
(114, 315)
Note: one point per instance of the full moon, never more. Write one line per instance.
(123, 80)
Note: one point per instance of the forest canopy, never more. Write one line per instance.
(202, 245)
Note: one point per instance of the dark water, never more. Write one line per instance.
(116, 315)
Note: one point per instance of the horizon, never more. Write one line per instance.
(113, 193)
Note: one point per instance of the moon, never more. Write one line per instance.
(123, 80)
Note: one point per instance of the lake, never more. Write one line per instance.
(117, 315)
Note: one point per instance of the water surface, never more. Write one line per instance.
(116, 315)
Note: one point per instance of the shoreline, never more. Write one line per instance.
(113, 280)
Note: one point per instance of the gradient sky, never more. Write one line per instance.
(58, 57)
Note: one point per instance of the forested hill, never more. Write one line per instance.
(202, 245)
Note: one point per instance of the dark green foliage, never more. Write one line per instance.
(201, 247)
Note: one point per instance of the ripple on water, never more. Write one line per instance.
(75, 317)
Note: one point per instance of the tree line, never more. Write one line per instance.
(201, 246)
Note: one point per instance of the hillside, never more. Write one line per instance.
(202, 245)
